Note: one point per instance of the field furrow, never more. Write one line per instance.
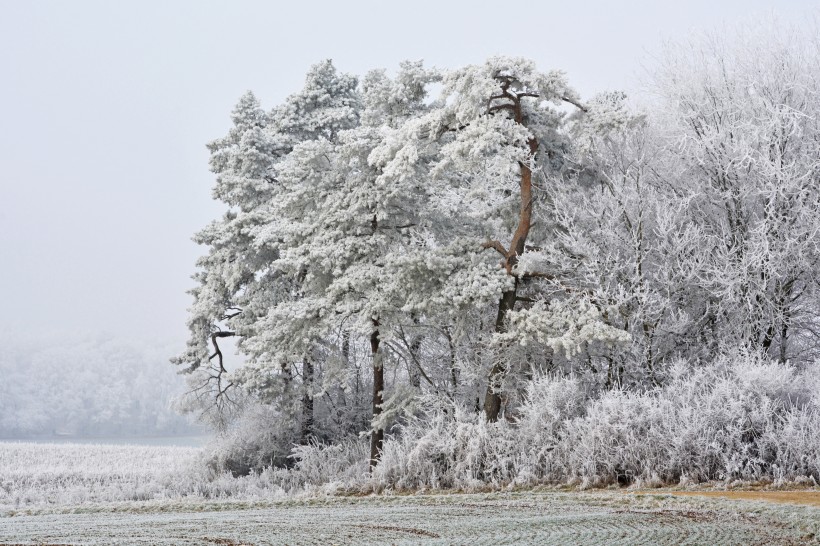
(499, 518)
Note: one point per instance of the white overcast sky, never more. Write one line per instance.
(105, 109)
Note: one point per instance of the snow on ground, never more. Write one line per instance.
(608, 517)
(34, 474)
(81, 494)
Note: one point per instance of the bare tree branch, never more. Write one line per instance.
(497, 246)
(217, 351)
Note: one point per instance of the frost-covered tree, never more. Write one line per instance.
(501, 140)
(743, 117)
(625, 238)
(236, 282)
(696, 225)
(488, 280)
(359, 213)
(346, 227)
(242, 162)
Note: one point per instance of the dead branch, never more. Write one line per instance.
(575, 103)
(217, 351)
(497, 246)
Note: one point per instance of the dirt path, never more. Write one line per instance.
(808, 498)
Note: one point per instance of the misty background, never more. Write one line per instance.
(106, 108)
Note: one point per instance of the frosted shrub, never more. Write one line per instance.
(600, 445)
(797, 445)
(452, 447)
(344, 463)
(420, 455)
(448, 447)
(261, 437)
(746, 419)
(549, 403)
(740, 417)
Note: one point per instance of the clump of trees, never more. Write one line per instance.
(431, 243)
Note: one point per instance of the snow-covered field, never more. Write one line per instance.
(610, 517)
(35, 474)
(82, 494)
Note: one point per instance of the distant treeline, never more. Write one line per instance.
(86, 386)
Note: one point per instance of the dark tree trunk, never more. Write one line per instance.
(453, 366)
(376, 435)
(346, 345)
(415, 349)
(492, 400)
(307, 401)
(512, 103)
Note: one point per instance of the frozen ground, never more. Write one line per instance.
(33, 474)
(611, 517)
(82, 494)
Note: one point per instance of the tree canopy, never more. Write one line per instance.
(440, 237)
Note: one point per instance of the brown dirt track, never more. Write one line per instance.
(807, 498)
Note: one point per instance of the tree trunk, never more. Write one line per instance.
(307, 401)
(376, 434)
(346, 346)
(453, 367)
(784, 306)
(415, 350)
(492, 400)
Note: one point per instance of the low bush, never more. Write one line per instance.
(739, 418)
